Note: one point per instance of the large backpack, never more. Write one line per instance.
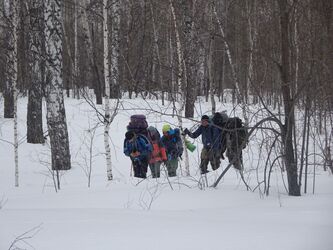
(138, 124)
(140, 143)
(220, 119)
(238, 132)
(153, 135)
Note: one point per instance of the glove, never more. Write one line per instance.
(186, 131)
(135, 154)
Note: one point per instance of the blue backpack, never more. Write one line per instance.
(139, 143)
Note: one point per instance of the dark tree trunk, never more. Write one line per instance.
(291, 166)
(8, 101)
(34, 115)
(190, 58)
(35, 93)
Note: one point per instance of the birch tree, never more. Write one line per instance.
(35, 93)
(107, 118)
(115, 46)
(8, 93)
(12, 74)
(56, 116)
(180, 75)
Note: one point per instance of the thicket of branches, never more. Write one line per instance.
(148, 60)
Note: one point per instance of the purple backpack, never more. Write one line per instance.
(138, 124)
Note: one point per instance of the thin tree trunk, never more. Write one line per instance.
(76, 52)
(92, 57)
(291, 167)
(210, 66)
(107, 91)
(115, 45)
(305, 125)
(14, 75)
(181, 73)
(157, 52)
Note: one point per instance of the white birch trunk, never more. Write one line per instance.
(13, 76)
(56, 116)
(181, 73)
(115, 47)
(107, 91)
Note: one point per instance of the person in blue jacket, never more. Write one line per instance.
(174, 148)
(138, 148)
(211, 140)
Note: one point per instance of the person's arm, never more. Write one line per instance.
(196, 133)
(126, 148)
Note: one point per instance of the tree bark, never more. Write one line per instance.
(56, 116)
(189, 57)
(107, 118)
(35, 93)
(287, 133)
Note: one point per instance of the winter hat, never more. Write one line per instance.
(205, 117)
(166, 128)
(129, 135)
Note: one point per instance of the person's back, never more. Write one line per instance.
(236, 141)
(138, 148)
(158, 154)
(174, 148)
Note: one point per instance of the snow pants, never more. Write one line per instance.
(155, 169)
(172, 166)
(212, 156)
(140, 167)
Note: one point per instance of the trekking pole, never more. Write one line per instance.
(167, 176)
(131, 172)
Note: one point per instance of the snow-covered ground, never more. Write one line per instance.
(163, 214)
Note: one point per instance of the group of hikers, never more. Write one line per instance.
(146, 147)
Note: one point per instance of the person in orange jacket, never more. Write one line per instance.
(158, 155)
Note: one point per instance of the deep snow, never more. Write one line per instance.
(127, 213)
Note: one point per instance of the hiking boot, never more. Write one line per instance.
(204, 171)
(172, 174)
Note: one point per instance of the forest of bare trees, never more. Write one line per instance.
(277, 53)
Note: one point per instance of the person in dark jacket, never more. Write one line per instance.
(211, 140)
(174, 148)
(138, 148)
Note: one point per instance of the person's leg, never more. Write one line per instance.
(152, 167)
(136, 168)
(172, 166)
(144, 168)
(204, 160)
(140, 168)
(214, 158)
(155, 169)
